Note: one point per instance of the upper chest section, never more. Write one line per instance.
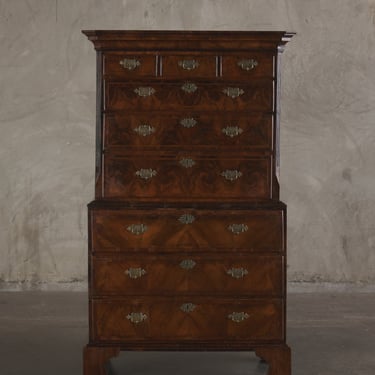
(172, 55)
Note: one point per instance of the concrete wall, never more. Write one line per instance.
(47, 106)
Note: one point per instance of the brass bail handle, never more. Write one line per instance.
(188, 64)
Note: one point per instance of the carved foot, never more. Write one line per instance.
(95, 359)
(278, 358)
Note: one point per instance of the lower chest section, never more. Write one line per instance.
(182, 274)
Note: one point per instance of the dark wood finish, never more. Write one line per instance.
(160, 40)
(173, 181)
(255, 130)
(147, 65)
(172, 66)
(278, 357)
(264, 68)
(95, 359)
(155, 64)
(185, 258)
(261, 275)
(99, 126)
(209, 319)
(256, 96)
(235, 206)
(208, 232)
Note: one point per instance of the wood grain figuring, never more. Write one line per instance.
(257, 96)
(173, 66)
(208, 232)
(208, 320)
(171, 180)
(232, 70)
(187, 236)
(262, 275)
(255, 130)
(147, 65)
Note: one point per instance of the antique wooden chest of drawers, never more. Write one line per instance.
(187, 236)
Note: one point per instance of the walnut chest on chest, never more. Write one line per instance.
(187, 236)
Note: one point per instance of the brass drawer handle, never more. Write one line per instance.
(238, 228)
(144, 130)
(188, 64)
(144, 91)
(187, 264)
(130, 64)
(136, 317)
(231, 174)
(187, 162)
(237, 273)
(135, 273)
(188, 307)
(189, 87)
(233, 92)
(247, 64)
(137, 229)
(146, 174)
(232, 131)
(186, 219)
(238, 317)
(188, 122)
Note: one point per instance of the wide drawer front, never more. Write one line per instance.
(188, 318)
(188, 274)
(188, 65)
(186, 177)
(170, 230)
(257, 95)
(191, 129)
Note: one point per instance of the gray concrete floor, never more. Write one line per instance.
(43, 333)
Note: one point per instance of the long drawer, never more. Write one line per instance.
(188, 274)
(236, 96)
(176, 230)
(186, 176)
(186, 318)
(250, 130)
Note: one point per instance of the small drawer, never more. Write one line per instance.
(249, 275)
(247, 66)
(186, 176)
(187, 95)
(187, 318)
(252, 131)
(129, 65)
(188, 66)
(186, 230)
